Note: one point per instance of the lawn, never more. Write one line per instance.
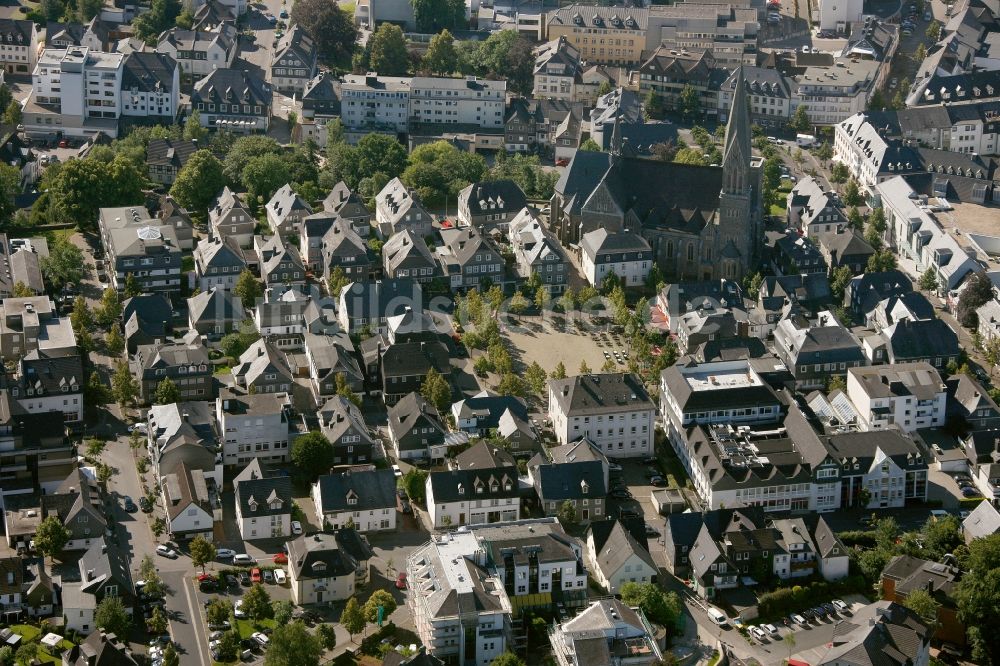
(247, 628)
(32, 634)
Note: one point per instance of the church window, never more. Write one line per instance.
(690, 251)
(670, 249)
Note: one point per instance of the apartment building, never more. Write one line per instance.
(813, 352)
(862, 143)
(254, 426)
(729, 30)
(468, 257)
(613, 410)
(293, 63)
(33, 324)
(35, 452)
(151, 87)
(668, 71)
(601, 632)
(469, 101)
(962, 128)
(398, 208)
(813, 210)
(76, 91)
(373, 102)
(186, 365)
(908, 396)
(627, 255)
(557, 70)
(198, 52)
(536, 251)
(770, 94)
(142, 247)
(605, 35)
(18, 46)
(234, 100)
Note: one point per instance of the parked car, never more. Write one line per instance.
(238, 609)
(145, 505)
(561, 162)
(244, 579)
(970, 492)
(138, 427)
(296, 527)
(799, 620)
(129, 504)
(280, 558)
(220, 626)
(829, 608)
(614, 467)
(657, 481)
(210, 584)
(268, 576)
(243, 559)
(770, 629)
(224, 554)
(166, 552)
(401, 581)
(279, 576)
(398, 473)
(261, 638)
(255, 575)
(756, 632)
(841, 605)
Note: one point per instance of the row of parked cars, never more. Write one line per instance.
(804, 620)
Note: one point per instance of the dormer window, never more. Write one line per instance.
(479, 489)
(584, 488)
(461, 489)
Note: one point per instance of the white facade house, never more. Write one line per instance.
(263, 503)
(838, 15)
(909, 396)
(188, 506)
(375, 102)
(326, 567)
(473, 497)
(19, 48)
(627, 255)
(254, 426)
(200, 52)
(364, 499)
(616, 558)
(77, 84)
(467, 101)
(612, 410)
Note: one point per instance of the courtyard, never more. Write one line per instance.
(553, 340)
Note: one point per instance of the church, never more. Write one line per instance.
(703, 222)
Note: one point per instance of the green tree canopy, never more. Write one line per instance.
(800, 121)
(331, 28)
(81, 187)
(379, 598)
(292, 644)
(353, 617)
(439, 171)
(257, 603)
(507, 659)
(63, 266)
(977, 292)
(202, 552)
(660, 606)
(124, 388)
(243, 150)
(112, 617)
(509, 53)
(248, 288)
(264, 175)
(441, 56)
(433, 15)
(414, 483)
(51, 536)
(374, 155)
(167, 392)
(312, 454)
(199, 182)
(435, 390)
(387, 51)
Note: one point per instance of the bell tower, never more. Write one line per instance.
(737, 229)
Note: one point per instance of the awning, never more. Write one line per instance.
(797, 662)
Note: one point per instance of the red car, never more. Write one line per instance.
(401, 581)
(255, 575)
(281, 558)
(562, 162)
(203, 577)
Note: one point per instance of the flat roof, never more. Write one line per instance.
(725, 378)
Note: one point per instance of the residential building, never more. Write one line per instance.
(104, 573)
(490, 205)
(184, 432)
(607, 632)
(320, 104)
(327, 567)
(166, 157)
(988, 316)
(349, 205)
(231, 219)
(313, 228)
(667, 72)
(330, 359)
(840, 16)
(557, 70)
(32, 323)
(864, 292)
(772, 95)
(482, 413)
(796, 255)
(145, 248)
(626, 30)
(580, 483)
(473, 631)
(280, 263)
(909, 396)
(371, 304)
(844, 247)
(343, 250)
(151, 90)
(50, 383)
(397, 208)
(862, 143)
(813, 210)
(438, 102)
(233, 100)
(293, 62)
(20, 49)
(962, 128)
(265, 369)
(343, 424)
(263, 503)
(185, 364)
(76, 91)
(99, 648)
(78, 504)
(618, 553)
(218, 263)
(189, 508)
(416, 430)
(970, 402)
(883, 631)
(812, 352)
(254, 426)
(913, 306)
(63, 35)
(215, 313)
(200, 53)
(364, 499)
(35, 451)
(613, 410)
(982, 522)
(375, 103)
(906, 341)
(468, 257)
(285, 212)
(905, 574)
(406, 255)
(536, 251)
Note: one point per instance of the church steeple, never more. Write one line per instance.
(736, 156)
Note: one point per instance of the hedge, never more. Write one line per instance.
(970, 502)
(863, 538)
(786, 600)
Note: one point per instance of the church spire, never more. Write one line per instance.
(736, 157)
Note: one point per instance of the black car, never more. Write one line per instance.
(129, 504)
(244, 579)
(145, 505)
(208, 585)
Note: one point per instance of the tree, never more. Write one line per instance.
(387, 49)
(933, 31)
(112, 617)
(690, 156)
(977, 292)
(921, 53)
(839, 279)
(124, 388)
(518, 303)
(257, 603)
(433, 15)
(331, 28)
(558, 372)
(26, 654)
(170, 656)
(435, 390)
(161, 16)
(542, 298)
(245, 149)
(839, 173)
(265, 175)
(800, 121)
(876, 228)
(439, 171)
(283, 611)
(345, 391)
(167, 392)
(327, 636)
(512, 385)
(441, 56)
(63, 266)
(379, 598)
(855, 221)
(852, 194)
(193, 130)
(292, 644)
(51, 536)
(414, 483)
(375, 155)
(198, 182)
(81, 187)
(789, 640)
(218, 611)
(590, 145)
(509, 53)
(978, 597)
(12, 114)
(248, 289)
(881, 261)
(109, 310)
(132, 286)
(152, 583)
(202, 551)
(689, 103)
(507, 659)
(87, 9)
(337, 281)
(929, 280)
(825, 152)
(660, 606)
(567, 513)
(535, 375)
(95, 393)
(353, 618)
(157, 623)
(114, 342)
(923, 604)
(104, 474)
(312, 454)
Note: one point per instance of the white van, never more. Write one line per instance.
(718, 617)
(243, 559)
(804, 140)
